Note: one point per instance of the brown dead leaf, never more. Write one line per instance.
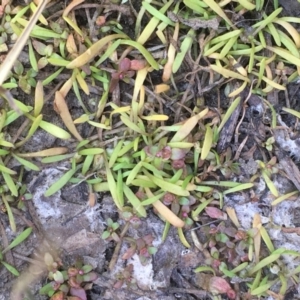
(61, 108)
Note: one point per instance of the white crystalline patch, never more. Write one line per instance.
(142, 274)
(283, 213)
(290, 262)
(46, 206)
(92, 214)
(261, 186)
(289, 145)
(245, 211)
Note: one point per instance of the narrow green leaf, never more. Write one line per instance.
(227, 47)
(3, 152)
(203, 189)
(167, 186)
(60, 183)
(26, 163)
(221, 183)
(184, 48)
(32, 57)
(157, 14)
(53, 76)
(99, 125)
(188, 126)
(87, 164)
(10, 214)
(34, 126)
(93, 51)
(208, 139)
(228, 73)
(248, 5)
(38, 99)
(284, 197)
(218, 10)
(57, 61)
(262, 288)
(153, 199)
(120, 188)
(131, 125)
(10, 183)
(38, 31)
(200, 208)
(112, 185)
(102, 187)
(19, 239)
(6, 144)
(115, 154)
(10, 268)
(134, 173)
(91, 151)
(181, 145)
(267, 261)
(107, 54)
(214, 48)
(143, 183)
(152, 24)
(204, 269)
(6, 170)
(176, 176)
(182, 238)
(229, 112)
(260, 25)
(157, 173)
(238, 188)
(285, 54)
(265, 236)
(240, 267)
(269, 183)
(292, 112)
(20, 14)
(55, 130)
(135, 202)
(81, 144)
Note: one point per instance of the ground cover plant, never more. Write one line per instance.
(165, 91)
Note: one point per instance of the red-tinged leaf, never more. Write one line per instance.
(39, 47)
(129, 253)
(42, 63)
(124, 65)
(215, 213)
(113, 82)
(118, 284)
(218, 285)
(79, 293)
(137, 64)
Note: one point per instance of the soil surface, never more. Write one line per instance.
(66, 224)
